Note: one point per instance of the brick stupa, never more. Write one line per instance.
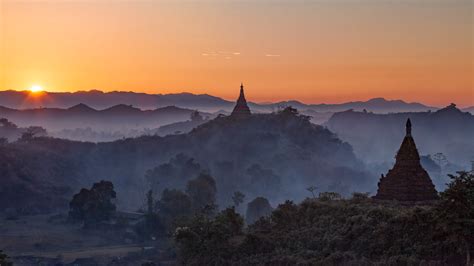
(241, 109)
(407, 181)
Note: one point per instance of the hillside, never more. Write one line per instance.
(377, 137)
(469, 109)
(318, 231)
(273, 155)
(118, 117)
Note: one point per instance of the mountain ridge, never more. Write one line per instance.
(116, 117)
(203, 102)
(448, 130)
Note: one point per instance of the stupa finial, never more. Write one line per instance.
(408, 127)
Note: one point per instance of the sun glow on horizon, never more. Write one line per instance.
(36, 88)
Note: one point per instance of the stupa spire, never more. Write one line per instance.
(408, 127)
(241, 108)
(242, 94)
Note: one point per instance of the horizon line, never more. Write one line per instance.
(231, 100)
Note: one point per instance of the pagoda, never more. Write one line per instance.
(407, 181)
(241, 109)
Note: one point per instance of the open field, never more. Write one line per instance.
(50, 237)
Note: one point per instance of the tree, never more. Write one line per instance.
(209, 241)
(173, 174)
(312, 189)
(289, 111)
(174, 204)
(7, 124)
(152, 225)
(196, 116)
(238, 198)
(4, 259)
(360, 197)
(33, 132)
(94, 205)
(456, 212)
(328, 196)
(257, 208)
(263, 179)
(440, 159)
(150, 202)
(202, 191)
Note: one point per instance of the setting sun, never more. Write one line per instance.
(36, 88)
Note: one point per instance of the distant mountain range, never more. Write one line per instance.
(469, 109)
(101, 100)
(202, 102)
(118, 117)
(377, 137)
(377, 105)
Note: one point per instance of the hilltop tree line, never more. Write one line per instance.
(354, 231)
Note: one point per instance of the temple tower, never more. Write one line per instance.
(407, 180)
(241, 109)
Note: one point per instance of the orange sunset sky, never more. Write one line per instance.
(313, 51)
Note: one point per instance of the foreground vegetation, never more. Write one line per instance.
(357, 231)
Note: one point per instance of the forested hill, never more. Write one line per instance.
(378, 136)
(273, 155)
(118, 117)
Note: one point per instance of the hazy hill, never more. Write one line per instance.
(271, 155)
(469, 109)
(202, 102)
(377, 105)
(40, 177)
(119, 117)
(101, 100)
(178, 127)
(377, 137)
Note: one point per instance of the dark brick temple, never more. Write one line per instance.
(407, 180)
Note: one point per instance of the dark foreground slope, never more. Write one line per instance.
(324, 231)
(271, 155)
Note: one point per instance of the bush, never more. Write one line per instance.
(4, 259)
(95, 205)
(327, 196)
(209, 241)
(257, 208)
(358, 197)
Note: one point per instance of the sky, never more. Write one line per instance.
(314, 51)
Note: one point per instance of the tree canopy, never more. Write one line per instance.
(94, 205)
